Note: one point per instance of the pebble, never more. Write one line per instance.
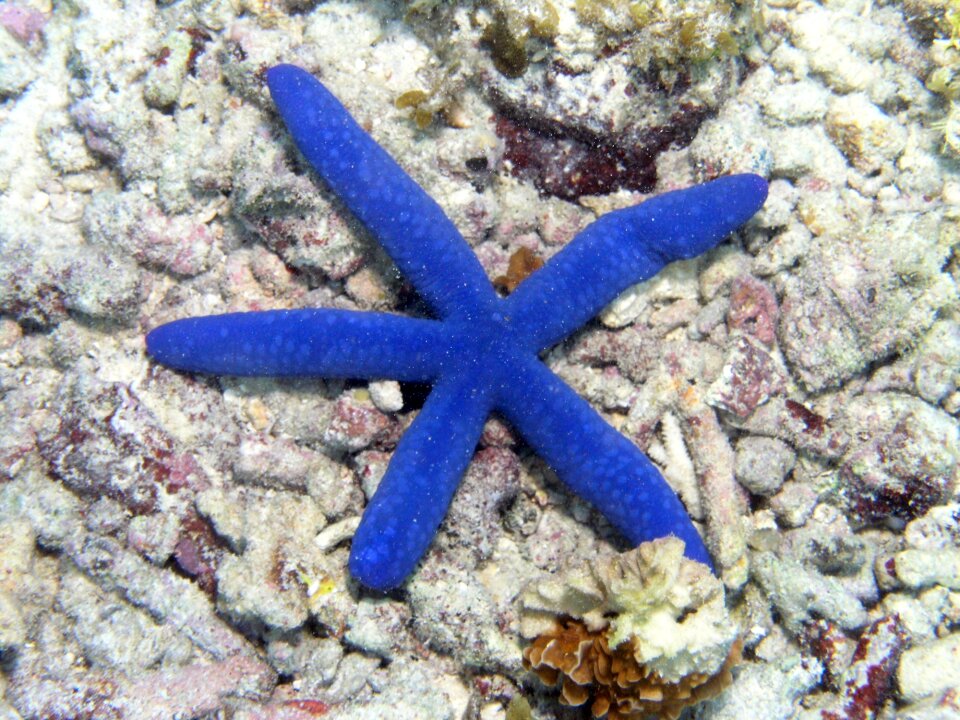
(831, 42)
(386, 395)
(930, 669)
(868, 137)
(748, 379)
(794, 503)
(796, 103)
(768, 690)
(800, 593)
(918, 569)
(762, 463)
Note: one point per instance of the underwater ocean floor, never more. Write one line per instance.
(175, 545)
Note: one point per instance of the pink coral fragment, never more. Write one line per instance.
(749, 379)
(753, 309)
(868, 682)
(23, 23)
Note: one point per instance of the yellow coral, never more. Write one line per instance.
(950, 127)
(952, 16)
(670, 31)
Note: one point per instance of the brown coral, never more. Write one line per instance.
(523, 263)
(622, 688)
(645, 632)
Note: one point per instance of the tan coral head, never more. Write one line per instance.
(665, 641)
(620, 687)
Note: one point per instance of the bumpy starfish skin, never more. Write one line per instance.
(481, 354)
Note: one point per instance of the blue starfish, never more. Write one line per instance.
(481, 354)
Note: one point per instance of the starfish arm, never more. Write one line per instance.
(406, 221)
(400, 522)
(627, 246)
(321, 342)
(595, 461)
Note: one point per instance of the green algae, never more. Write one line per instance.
(944, 79)
(670, 32)
(514, 24)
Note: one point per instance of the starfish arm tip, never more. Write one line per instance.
(597, 463)
(279, 75)
(321, 342)
(169, 345)
(683, 224)
(402, 518)
(406, 221)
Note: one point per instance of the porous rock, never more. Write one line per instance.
(860, 298)
(867, 136)
(762, 463)
(931, 668)
(905, 461)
